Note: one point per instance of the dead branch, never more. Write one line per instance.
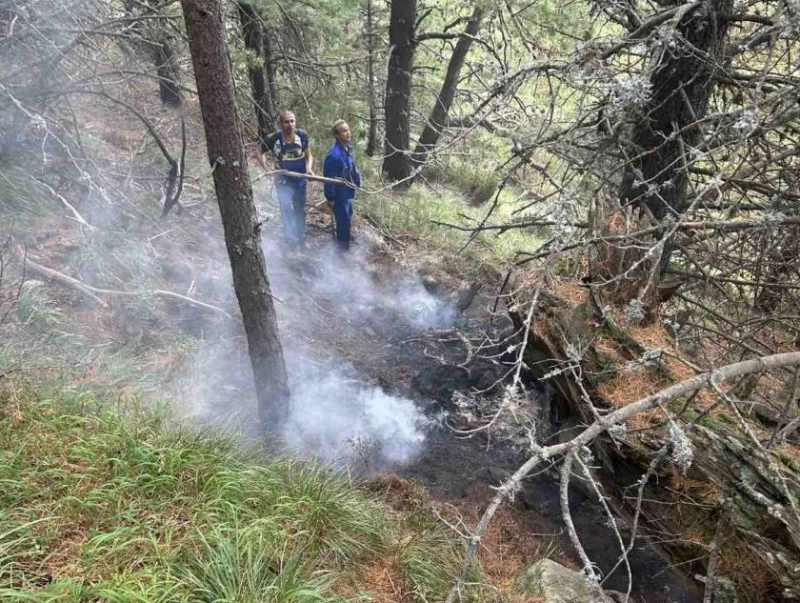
(312, 177)
(176, 172)
(75, 214)
(566, 471)
(621, 415)
(94, 292)
(713, 562)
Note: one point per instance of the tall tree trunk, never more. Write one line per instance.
(656, 180)
(441, 107)
(396, 162)
(254, 36)
(205, 30)
(269, 67)
(372, 136)
(154, 40)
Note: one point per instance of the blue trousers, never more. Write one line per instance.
(343, 214)
(292, 201)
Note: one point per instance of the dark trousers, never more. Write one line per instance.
(343, 214)
(292, 201)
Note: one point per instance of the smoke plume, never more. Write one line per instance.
(333, 309)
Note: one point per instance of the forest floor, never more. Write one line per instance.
(422, 347)
(379, 344)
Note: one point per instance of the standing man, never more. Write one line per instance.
(339, 163)
(289, 146)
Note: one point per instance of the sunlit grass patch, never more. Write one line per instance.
(434, 214)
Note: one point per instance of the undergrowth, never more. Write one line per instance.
(430, 209)
(99, 503)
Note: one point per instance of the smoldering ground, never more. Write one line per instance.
(335, 313)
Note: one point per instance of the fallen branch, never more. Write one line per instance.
(566, 471)
(94, 292)
(61, 278)
(713, 563)
(621, 415)
(76, 215)
(312, 177)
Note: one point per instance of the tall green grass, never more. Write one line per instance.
(103, 504)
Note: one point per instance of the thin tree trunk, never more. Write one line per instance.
(372, 136)
(396, 162)
(269, 67)
(205, 30)
(441, 107)
(169, 78)
(254, 37)
(154, 39)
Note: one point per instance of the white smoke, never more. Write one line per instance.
(329, 304)
(335, 415)
(341, 419)
(354, 289)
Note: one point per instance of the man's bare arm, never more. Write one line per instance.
(309, 161)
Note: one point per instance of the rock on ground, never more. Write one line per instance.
(559, 584)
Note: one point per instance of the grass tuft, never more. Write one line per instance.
(250, 565)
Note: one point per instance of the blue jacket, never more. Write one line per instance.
(339, 163)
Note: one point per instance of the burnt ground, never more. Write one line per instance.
(396, 337)
(392, 317)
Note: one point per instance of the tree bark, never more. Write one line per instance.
(437, 121)
(154, 39)
(396, 162)
(257, 41)
(372, 135)
(681, 83)
(269, 66)
(656, 180)
(205, 30)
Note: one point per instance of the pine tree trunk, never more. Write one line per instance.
(396, 162)
(254, 40)
(656, 180)
(169, 78)
(681, 85)
(372, 136)
(269, 67)
(205, 30)
(154, 39)
(441, 107)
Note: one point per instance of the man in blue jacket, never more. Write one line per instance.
(289, 147)
(339, 163)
